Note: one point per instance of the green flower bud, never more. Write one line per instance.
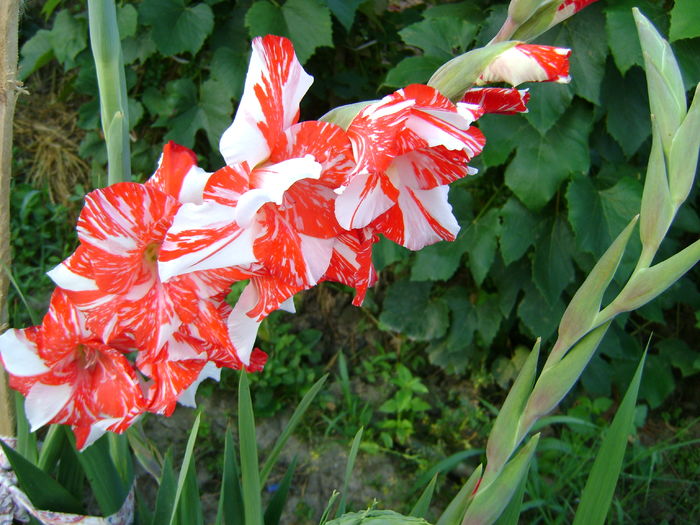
(376, 517)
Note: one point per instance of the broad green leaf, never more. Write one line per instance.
(453, 351)
(509, 281)
(598, 216)
(548, 102)
(502, 134)
(539, 316)
(408, 309)
(680, 355)
(138, 48)
(177, 27)
(489, 501)
(627, 109)
(352, 456)
(600, 485)
(68, 37)
(107, 485)
(228, 68)
(465, 10)
(412, 70)
(437, 262)
(552, 267)
(386, 252)
(597, 377)
(127, 20)
(542, 163)
(294, 421)
(250, 477)
(686, 52)
(519, 231)
(273, 513)
(479, 240)
(178, 96)
(35, 52)
(440, 37)
(454, 512)
(44, 491)
(589, 44)
(488, 315)
(420, 509)
(658, 382)
(344, 11)
(189, 510)
(307, 23)
(685, 17)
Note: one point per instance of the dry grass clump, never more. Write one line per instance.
(47, 139)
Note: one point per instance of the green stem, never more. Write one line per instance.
(106, 48)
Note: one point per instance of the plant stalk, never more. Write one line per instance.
(9, 89)
(111, 82)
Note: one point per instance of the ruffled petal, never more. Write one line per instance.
(351, 263)
(204, 237)
(44, 402)
(19, 354)
(422, 217)
(528, 63)
(274, 86)
(178, 174)
(242, 328)
(366, 197)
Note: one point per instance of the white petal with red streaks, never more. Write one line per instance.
(67, 279)
(274, 86)
(203, 237)
(271, 182)
(427, 217)
(317, 256)
(362, 200)
(44, 402)
(243, 329)
(528, 63)
(19, 355)
(210, 371)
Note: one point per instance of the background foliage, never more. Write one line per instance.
(555, 186)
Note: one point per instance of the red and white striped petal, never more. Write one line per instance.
(568, 8)
(225, 186)
(170, 380)
(242, 328)
(208, 371)
(367, 195)
(178, 174)
(351, 263)
(528, 63)
(498, 100)
(202, 237)
(44, 402)
(428, 168)
(274, 86)
(118, 224)
(310, 207)
(269, 184)
(421, 217)
(327, 143)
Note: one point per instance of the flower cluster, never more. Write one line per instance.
(139, 316)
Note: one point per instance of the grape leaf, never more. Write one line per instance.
(36, 52)
(552, 267)
(539, 316)
(519, 231)
(479, 241)
(685, 19)
(307, 23)
(440, 37)
(344, 11)
(176, 27)
(68, 37)
(541, 163)
(548, 102)
(502, 134)
(408, 309)
(412, 70)
(627, 109)
(437, 262)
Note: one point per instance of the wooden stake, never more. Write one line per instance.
(9, 20)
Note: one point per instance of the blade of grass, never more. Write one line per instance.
(249, 454)
(445, 465)
(329, 506)
(273, 513)
(189, 509)
(289, 428)
(104, 478)
(348, 472)
(165, 500)
(231, 499)
(420, 509)
(44, 491)
(54, 442)
(184, 469)
(600, 486)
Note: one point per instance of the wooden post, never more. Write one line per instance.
(9, 20)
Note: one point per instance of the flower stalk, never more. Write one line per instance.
(109, 64)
